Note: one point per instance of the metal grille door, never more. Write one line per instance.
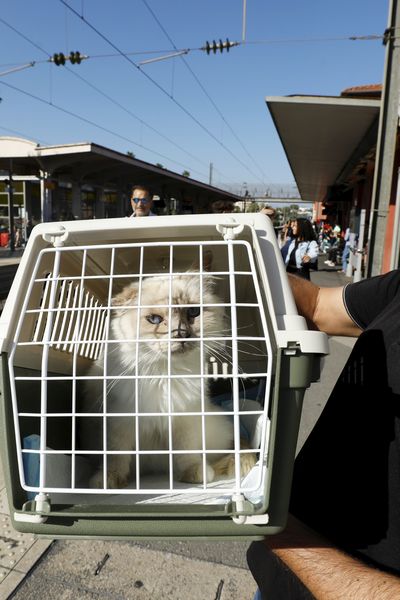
(149, 370)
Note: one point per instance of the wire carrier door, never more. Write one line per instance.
(142, 371)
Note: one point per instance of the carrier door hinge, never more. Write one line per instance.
(41, 503)
(240, 504)
(230, 230)
(57, 237)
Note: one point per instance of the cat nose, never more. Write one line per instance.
(180, 333)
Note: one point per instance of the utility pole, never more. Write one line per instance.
(386, 143)
(244, 22)
(211, 174)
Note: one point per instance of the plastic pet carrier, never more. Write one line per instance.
(153, 372)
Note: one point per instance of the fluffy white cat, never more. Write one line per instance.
(169, 427)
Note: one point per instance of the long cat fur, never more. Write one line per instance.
(153, 392)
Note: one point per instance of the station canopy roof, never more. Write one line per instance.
(323, 137)
(90, 164)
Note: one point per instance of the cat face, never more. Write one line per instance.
(168, 311)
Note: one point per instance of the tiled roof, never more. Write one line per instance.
(374, 90)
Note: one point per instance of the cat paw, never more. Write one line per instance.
(96, 481)
(114, 480)
(225, 466)
(247, 462)
(194, 474)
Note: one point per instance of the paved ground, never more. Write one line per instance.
(80, 570)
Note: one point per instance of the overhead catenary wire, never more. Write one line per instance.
(120, 106)
(160, 88)
(23, 134)
(23, 36)
(203, 88)
(89, 122)
(367, 37)
(347, 38)
(141, 121)
(303, 40)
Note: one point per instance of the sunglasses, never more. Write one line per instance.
(142, 200)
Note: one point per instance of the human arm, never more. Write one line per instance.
(323, 307)
(327, 572)
(311, 253)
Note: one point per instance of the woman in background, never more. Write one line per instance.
(285, 237)
(302, 253)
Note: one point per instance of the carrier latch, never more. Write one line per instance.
(41, 503)
(240, 504)
(291, 349)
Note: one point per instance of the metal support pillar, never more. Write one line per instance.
(386, 143)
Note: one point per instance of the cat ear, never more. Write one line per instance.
(127, 296)
(207, 261)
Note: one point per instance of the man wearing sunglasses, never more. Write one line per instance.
(141, 201)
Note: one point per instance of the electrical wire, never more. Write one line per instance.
(160, 88)
(120, 53)
(203, 88)
(369, 37)
(119, 105)
(24, 135)
(23, 36)
(89, 122)
(130, 113)
(352, 38)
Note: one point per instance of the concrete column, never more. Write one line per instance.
(45, 199)
(121, 204)
(76, 200)
(100, 199)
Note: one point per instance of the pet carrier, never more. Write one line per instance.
(153, 372)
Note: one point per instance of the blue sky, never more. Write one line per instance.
(292, 47)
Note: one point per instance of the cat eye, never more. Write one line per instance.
(193, 312)
(154, 319)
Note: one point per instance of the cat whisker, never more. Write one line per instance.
(229, 329)
(240, 351)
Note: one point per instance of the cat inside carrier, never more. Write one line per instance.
(151, 369)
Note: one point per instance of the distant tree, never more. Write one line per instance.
(186, 173)
(131, 154)
(279, 217)
(252, 207)
(160, 166)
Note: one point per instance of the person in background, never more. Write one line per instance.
(285, 236)
(346, 249)
(342, 541)
(223, 206)
(268, 210)
(142, 201)
(302, 252)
